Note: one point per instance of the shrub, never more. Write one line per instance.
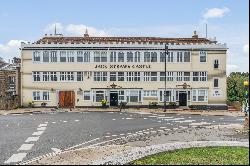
(172, 103)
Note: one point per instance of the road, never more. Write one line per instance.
(26, 136)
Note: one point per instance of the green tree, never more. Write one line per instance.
(235, 86)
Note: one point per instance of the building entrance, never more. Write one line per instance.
(113, 99)
(182, 99)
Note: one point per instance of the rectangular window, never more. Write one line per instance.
(36, 76)
(63, 76)
(168, 95)
(79, 76)
(179, 57)
(46, 95)
(146, 56)
(53, 76)
(120, 57)
(137, 56)
(203, 56)
(186, 76)
(153, 56)
(150, 93)
(216, 64)
(36, 56)
(121, 95)
(86, 95)
(216, 82)
(162, 56)
(162, 76)
(53, 56)
(203, 76)
(179, 76)
(112, 76)
(194, 95)
(70, 76)
(45, 56)
(70, 56)
(186, 56)
(45, 76)
(146, 76)
(62, 56)
(137, 76)
(86, 56)
(130, 57)
(195, 76)
(97, 56)
(99, 96)
(103, 56)
(170, 57)
(113, 57)
(200, 95)
(36, 95)
(120, 76)
(134, 96)
(130, 76)
(79, 57)
(153, 76)
(100, 76)
(170, 76)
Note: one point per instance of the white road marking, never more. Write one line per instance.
(213, 121)
(160, 130)
(82, 143)
(129, 133)
(31, 114)
(152, 116)
(38, 133)
(77, 120)
(42, 125)
(145, 118)
(163, 127)
(114, 135)
(56, 150)
(122, 134)
(113, 119)
(65, 121)
(129, 118)
(107, 136)
(16, 158)
(25, 147)
(53, 122)
(175, 128)
(41, 128)
(31, 139)
(165, 117)
(159, 121)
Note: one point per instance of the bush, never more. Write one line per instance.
(172, 103)
(31, 104)
(153, 103)
(104, 103)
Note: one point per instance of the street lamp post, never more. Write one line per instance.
(165, 91)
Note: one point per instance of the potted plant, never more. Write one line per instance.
(104, 103)
(31, 104)
(152, 105)
(172, 105)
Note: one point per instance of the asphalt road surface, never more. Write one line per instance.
(26, 136)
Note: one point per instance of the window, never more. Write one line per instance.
(70, 76)
(153, 76)
(120, 76)
(120, 57)
(195, 76)
(162, 76)
(150, 93)
(36, 56)
(36, 95)
(170, 57)
(146, 76)
(53, 56)
(53, 76)
(70, 56)
(36, 76)
(203, 56)
(62, 56)
(86, 56)
(134, 95)
(186, 56)
(162, 56)
(137, 76)
(146, 56)
(113, 57)
(162, 95)
(179, 57)
(79, 76)
(63, 76)
(112, 76)
(45, 95)
(203, 76)
(45, 76)
(130, 57)
(121, 95)
(86, 95)
(186, 76)
(99, 96)
(170, 76)
(216, 82)
(103, 56)
(137, 56)
(153, 56)
(79, 57)
(216, 64)
(97, 57)
(200, 95)
(179, 76)
(100, 76)
(130, 76)
(45, 56)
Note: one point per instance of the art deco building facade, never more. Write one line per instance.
(81, 71)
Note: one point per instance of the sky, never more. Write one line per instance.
(29, 20)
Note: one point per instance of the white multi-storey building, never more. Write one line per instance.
(82, 71)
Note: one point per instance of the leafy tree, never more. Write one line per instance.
(235, 86)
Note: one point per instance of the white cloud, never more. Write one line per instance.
(11, 49)
(232, 68)
(216, 12)
(246, 48)
(51, 28)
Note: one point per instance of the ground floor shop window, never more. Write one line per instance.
(134, 96)
(99, 96)
(200, 95)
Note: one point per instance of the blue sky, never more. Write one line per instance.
(227, 20)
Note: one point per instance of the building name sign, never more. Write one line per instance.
(123, 66)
